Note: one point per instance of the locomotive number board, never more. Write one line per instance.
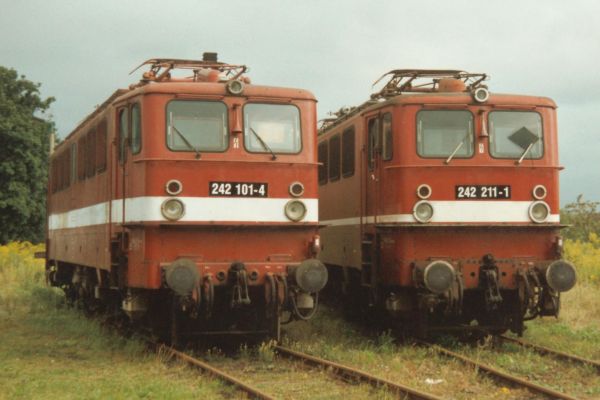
(468, 192)
(238, 189)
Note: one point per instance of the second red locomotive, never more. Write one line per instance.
(441, 207)
(190, 202)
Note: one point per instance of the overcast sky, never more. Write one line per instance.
(81, 51)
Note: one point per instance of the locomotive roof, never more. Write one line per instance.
(438, 98)
(496, 99)
(217, 89)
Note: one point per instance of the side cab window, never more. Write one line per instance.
(372, 141)
(387, 140)
(123, 116)
(136, 129)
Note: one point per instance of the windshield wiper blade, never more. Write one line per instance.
(525, 153)
(264, 144)
(186, 141)
(458, 146)
(525, 139)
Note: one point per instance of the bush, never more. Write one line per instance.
(583, 218)
(23, 279)
(586, 257)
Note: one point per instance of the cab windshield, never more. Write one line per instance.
(272, 128)
(515, 134)
(197, 126)
(445, 133)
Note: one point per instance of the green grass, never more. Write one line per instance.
(49, 351)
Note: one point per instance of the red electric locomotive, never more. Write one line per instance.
(440, 204)
(190, 202)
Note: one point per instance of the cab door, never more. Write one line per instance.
(371, 171)
(378, 152)
(127, 143)
(370, 212)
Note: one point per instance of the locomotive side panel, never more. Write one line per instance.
(340, 214)
(79, 213)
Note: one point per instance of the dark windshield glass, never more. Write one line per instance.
(441, 134)
(512, 133)
(197, 126)
(276, 125)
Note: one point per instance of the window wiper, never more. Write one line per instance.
(264, 144)
(525, 139)
(525, 153)
(458, 146)
(186, 141)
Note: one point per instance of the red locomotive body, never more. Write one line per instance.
(441, 203)
(190, 202)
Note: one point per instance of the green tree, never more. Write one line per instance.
(583, 218)
(24, 145)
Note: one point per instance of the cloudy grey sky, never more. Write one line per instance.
(82, 50)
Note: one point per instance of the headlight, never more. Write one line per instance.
(423, 211)
(438, 276)
(295, 210)
(424, 191)
(172, 209)
(173, 187)
(310, 276)
(296, 189)
(561, 275)
(235, 87)
(539, 192)
(539, 211)
(481, 95)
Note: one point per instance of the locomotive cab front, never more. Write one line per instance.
(456, 215)
(212, 216)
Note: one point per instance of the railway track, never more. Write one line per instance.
(253, 392)
(349, 373)
(500, 375)
(554, 353)
(343, 373)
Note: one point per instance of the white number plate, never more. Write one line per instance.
(468, 192)
(238, 189)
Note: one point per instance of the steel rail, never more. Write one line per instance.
(345, 371)
(546, 350)
(495, 373)
(251, 391)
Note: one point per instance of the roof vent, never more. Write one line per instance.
(209, 57)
